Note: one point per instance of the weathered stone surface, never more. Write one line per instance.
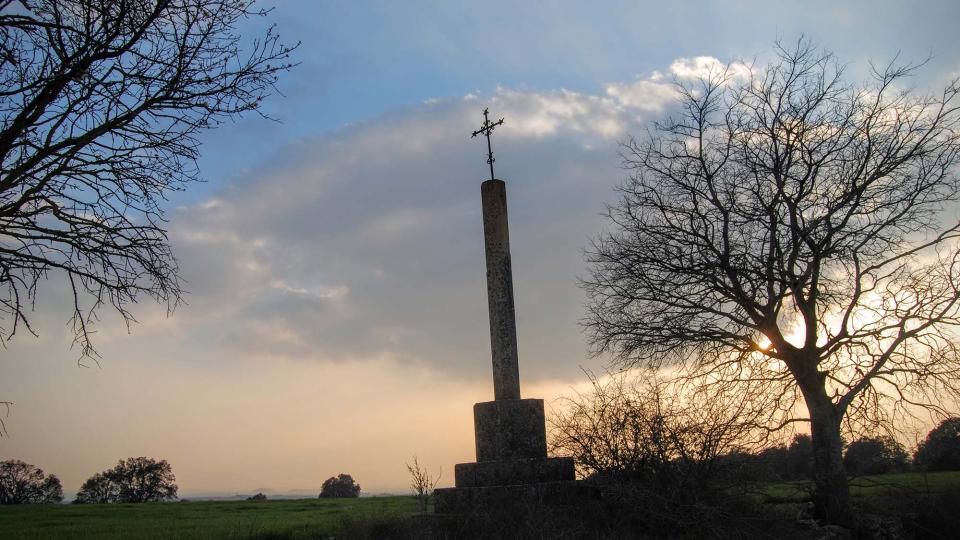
(514, 471)
(510, 429)
(497, 498)
(503, 327)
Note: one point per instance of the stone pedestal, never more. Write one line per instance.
(509, 429)
(511, 447)
(512, 466)
(513, 472)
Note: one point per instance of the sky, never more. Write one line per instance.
(336, 319)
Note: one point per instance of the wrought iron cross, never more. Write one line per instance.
(487, 129)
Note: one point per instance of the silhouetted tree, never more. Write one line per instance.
(800, 457)
(340, 486)
(101, 108)
(875, 455)
(940, 451)
(784, 231)
(133, 480)
(257, 497)
(23, 483)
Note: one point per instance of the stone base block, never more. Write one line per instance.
(510, 429)
(514, 471)
(512, 498)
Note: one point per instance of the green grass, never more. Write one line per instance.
(870, 486)
(280, 519)
(366, 517)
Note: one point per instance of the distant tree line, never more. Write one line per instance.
(784, 462)
(644, 432)
(133, 480)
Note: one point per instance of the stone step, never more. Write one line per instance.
(513, 498)
(514, 472)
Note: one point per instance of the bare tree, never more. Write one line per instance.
(422, 482)
(101, 105)
(786, 231)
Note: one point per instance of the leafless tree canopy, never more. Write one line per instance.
(101, 103)
(788, 229)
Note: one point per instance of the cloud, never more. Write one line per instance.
(562, 112)
(367, 244)
(645, 95)
(705, 66)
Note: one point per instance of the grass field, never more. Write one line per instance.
(316, 518)
(870, 486)
(280, 519)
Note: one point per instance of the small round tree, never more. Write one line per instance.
(941, 449)
(23, 483)
(340, 486)
(875, 455)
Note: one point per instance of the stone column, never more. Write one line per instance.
(503, 327)
(512, 468)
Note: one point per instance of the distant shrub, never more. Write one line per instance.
(257, 497)
(23, 483)
(775, 463)
(940, 451)
(133, 480)
(875, 455)
(340, 486)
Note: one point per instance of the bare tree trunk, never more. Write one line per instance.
(831, 498)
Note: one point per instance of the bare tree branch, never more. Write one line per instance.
(101, 105)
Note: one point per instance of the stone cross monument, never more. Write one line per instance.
(511, 442)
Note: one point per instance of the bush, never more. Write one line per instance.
(639, 429)
(23, 483)
(340, 486)
(134, 480)
(940, 451)
(875, 455)
(257, 497)
(422, 482)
